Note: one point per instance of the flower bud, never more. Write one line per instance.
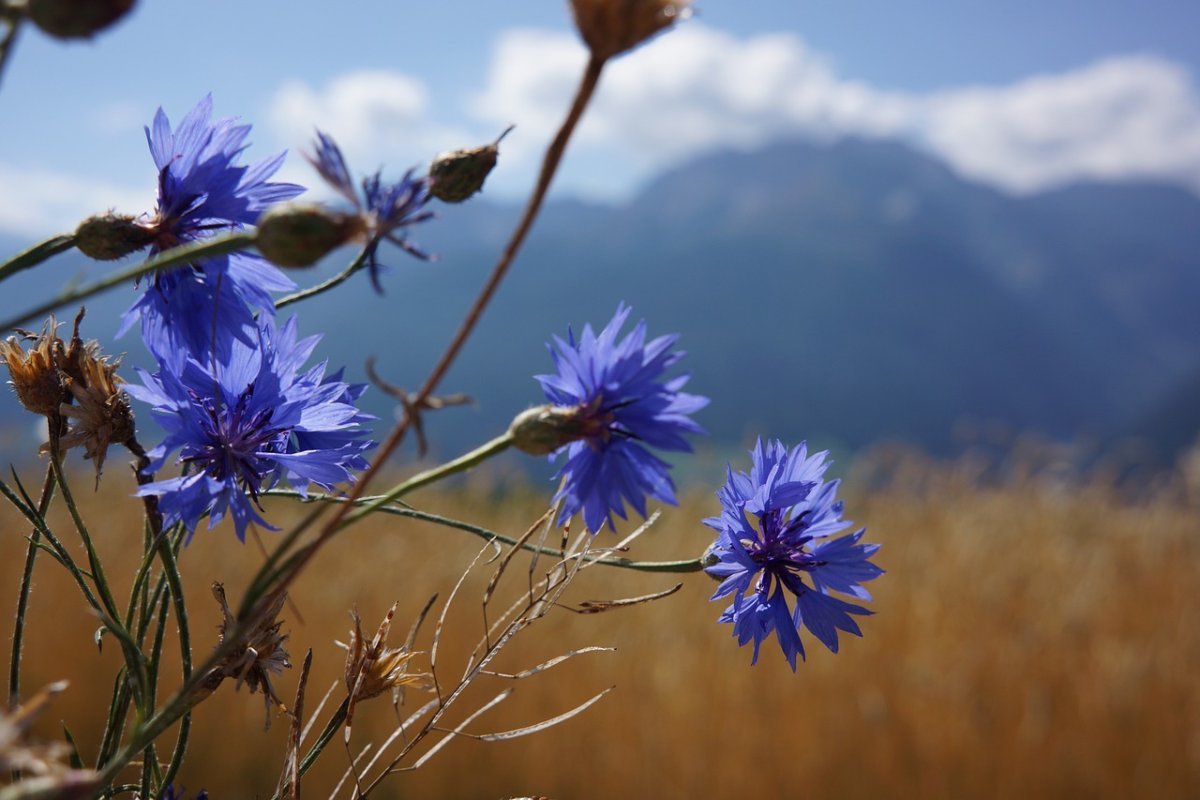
(107, 237)
(458, 174)
(610, 27)
(76, 19)
(541, 430)
(301, 234)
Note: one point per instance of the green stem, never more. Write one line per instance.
(171, 570)
(687, 565)
(134, 659)
(150, 756)
(185, 254)
(272, 570)
(36, 255)
(56, 546)
(325, 286)
(14, 670)
(460, 464)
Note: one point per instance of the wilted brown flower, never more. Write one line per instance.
(261, 654)
(34, 375)
(102, 414)
(42, 759)
(373, 668)
(610, 27)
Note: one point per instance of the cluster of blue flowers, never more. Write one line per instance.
(244, 415)
(230, 389)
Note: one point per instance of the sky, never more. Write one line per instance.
(1023, 95)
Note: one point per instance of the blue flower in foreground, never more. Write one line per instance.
(202, 190)
(387, 209)
(774, 530)
(246, 421)
(623, 405)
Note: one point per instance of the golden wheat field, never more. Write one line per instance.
(1034, 637)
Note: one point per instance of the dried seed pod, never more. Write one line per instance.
(458, 174)
(76, 19)
(610, 27)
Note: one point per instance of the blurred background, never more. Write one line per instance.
(958, 246)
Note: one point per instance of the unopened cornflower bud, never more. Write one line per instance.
(373, 668)
(458, 174)
(610, 27)
(107, 237)
(542, 430)
(76, 19)
(34, 375)
(259, 653)
(301, 234)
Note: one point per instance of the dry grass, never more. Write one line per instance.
(1031, 641)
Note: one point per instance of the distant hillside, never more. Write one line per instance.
(848, 293)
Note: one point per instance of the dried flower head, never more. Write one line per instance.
(34, 375)
(17, 753)
(258, 656)
(610, 27)
(373, 668)
(101, 415)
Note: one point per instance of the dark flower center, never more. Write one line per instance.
(234, 438)
(783, 545)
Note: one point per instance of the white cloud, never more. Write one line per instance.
(36, 202)
(378, 118)
(1133, 116)
(696, 89)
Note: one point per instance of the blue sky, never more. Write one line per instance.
(1020, 94)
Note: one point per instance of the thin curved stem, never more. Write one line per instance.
(460, 464)
(36, 255)
(312, 291)
(683, 566)
(176, 256)
(14, 668)
(550, 162)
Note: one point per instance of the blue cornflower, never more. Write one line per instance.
(386, 209)
(203, 190)
(245, 420)
(622, 405)
(774, 529)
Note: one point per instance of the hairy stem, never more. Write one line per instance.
(325, 286)
(36, 255)
(460, 464)
(176, 256)
(14, 670)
